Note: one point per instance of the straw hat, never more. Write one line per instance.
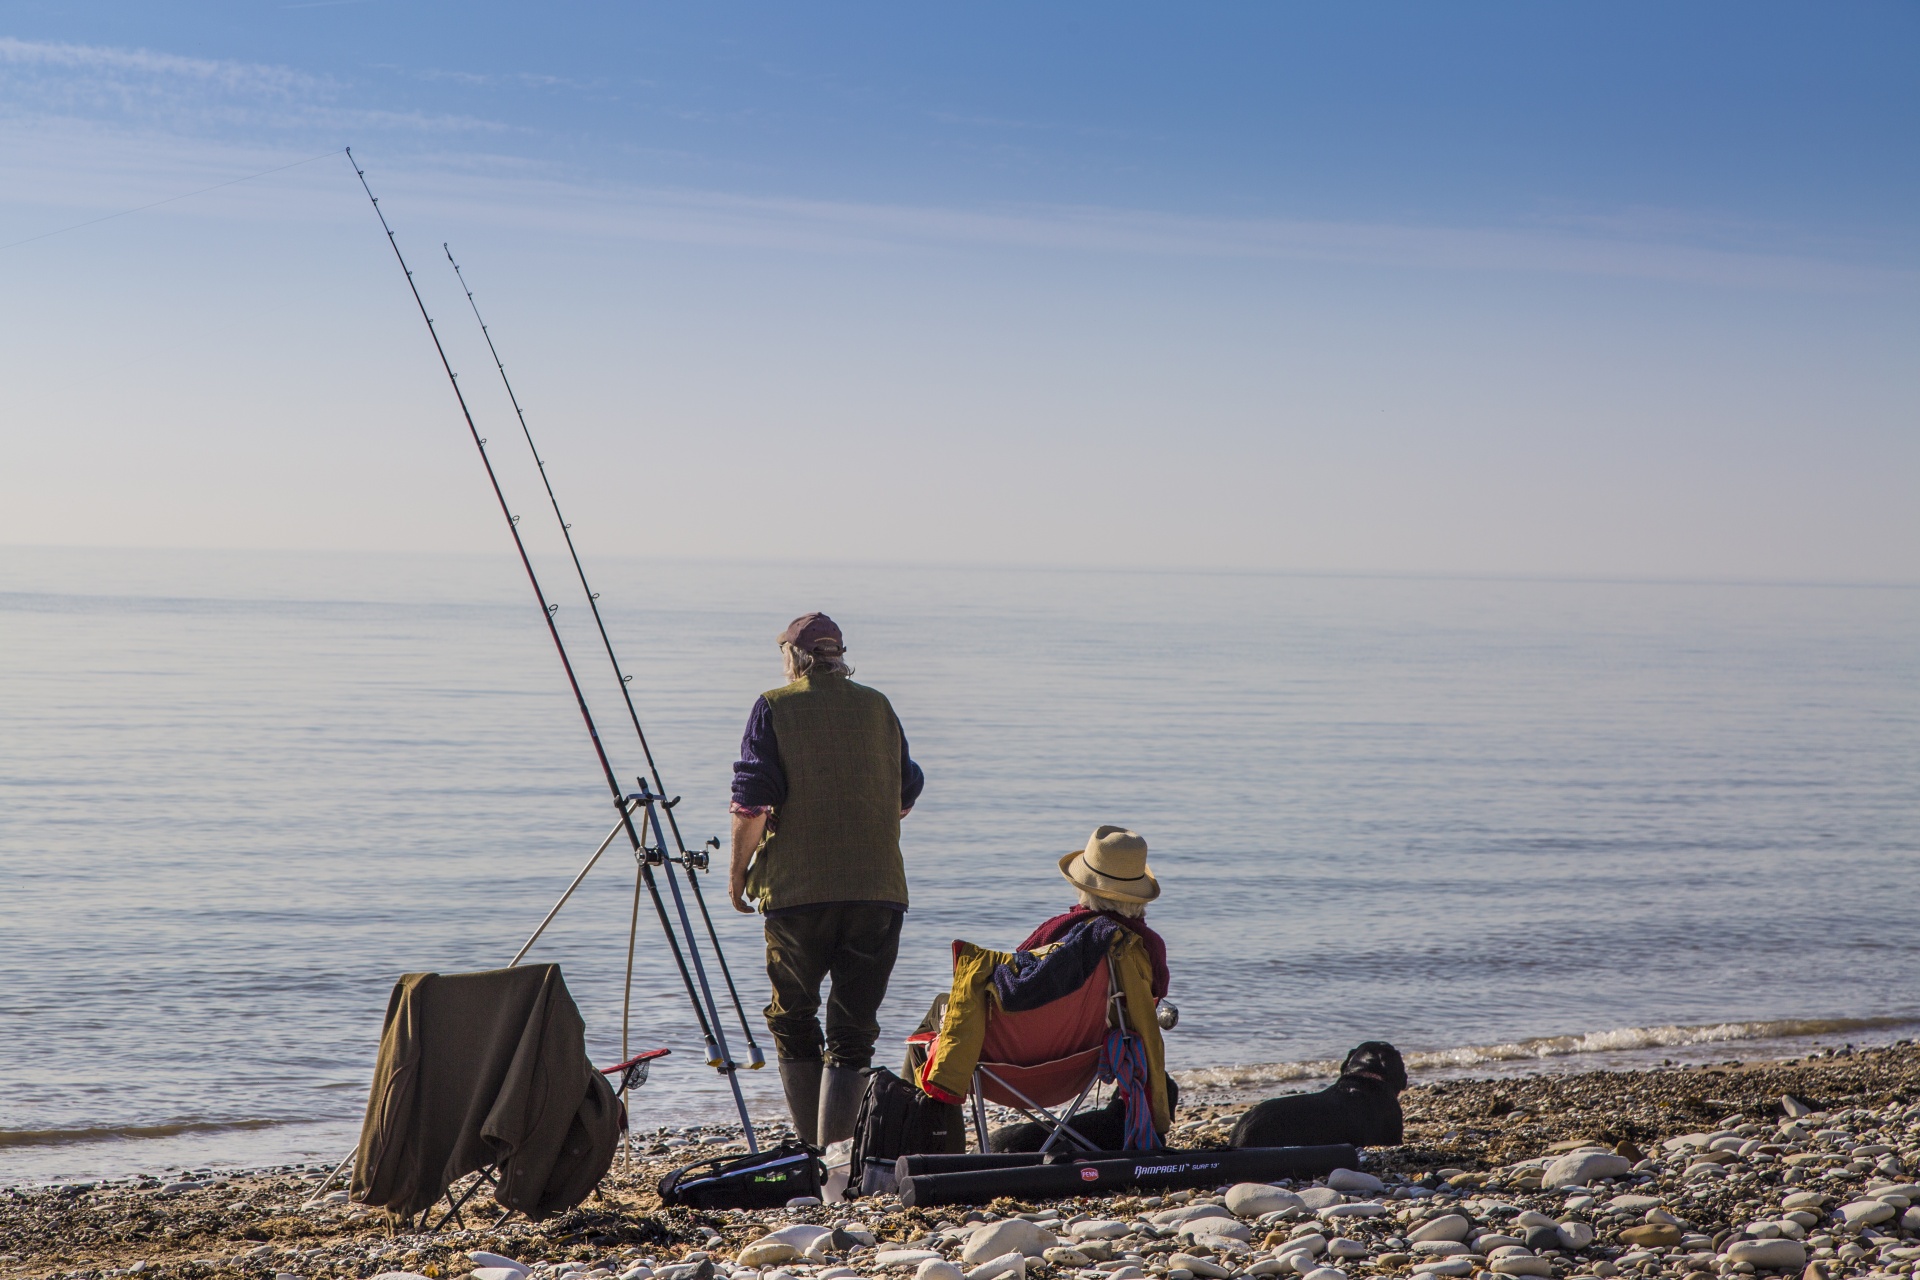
(1113, 865)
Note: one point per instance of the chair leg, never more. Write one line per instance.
(979, 1112)
(1056, 1121)
(1066, 1118)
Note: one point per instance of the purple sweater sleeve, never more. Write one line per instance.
(758, 779)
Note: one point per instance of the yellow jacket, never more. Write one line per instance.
(965, 1026)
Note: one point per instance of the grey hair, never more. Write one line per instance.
(802, 663)
(1094, 902)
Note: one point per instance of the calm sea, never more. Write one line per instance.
(1516, 824)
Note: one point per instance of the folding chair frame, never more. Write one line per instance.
(1059, 1123)
(482, 1178)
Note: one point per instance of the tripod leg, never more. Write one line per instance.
(626, 1012)
(693, 951)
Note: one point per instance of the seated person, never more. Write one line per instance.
(1112, 879)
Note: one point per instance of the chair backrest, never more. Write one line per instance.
(1066, 1026)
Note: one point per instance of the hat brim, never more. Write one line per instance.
(1143, 890)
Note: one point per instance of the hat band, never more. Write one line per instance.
(1107, 875)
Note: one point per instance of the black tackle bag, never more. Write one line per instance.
(763, 1181)
(895, 1120)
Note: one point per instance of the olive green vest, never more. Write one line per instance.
(836, 837)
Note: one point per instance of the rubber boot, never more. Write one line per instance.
(801, 1080)
(839, 1104)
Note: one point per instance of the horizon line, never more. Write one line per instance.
(986, 566)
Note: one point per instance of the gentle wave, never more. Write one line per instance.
(125, 1132)
(1617, 1040)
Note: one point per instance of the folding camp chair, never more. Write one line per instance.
(1037, 1059)
(628, 1076)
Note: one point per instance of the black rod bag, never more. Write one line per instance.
(764, 1181)
(1141, 1169)
(971, 1161)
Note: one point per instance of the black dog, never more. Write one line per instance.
(1362, 1107)
(1105, 1127)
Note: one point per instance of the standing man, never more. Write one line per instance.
(822, 782)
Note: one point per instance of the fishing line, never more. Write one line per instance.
(93, 222)
(647, 800)
(755, 1058)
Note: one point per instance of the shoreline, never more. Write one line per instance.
(1230, 1084)
(1472, 1131)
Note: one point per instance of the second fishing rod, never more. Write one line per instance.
(688, 860)
(648, 798)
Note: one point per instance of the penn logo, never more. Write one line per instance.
(1089, 1174)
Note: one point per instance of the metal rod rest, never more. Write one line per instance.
(618, 827)
(727, 1064)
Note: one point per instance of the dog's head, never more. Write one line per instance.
(1376, 1060)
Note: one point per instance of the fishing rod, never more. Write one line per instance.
(688, 861)
(710, 1029)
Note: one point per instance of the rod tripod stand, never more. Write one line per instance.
(649, 841)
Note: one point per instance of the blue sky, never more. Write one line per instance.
(1587, 289)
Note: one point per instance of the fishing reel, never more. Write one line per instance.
(702, 858)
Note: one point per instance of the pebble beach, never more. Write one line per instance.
(1806, 1167)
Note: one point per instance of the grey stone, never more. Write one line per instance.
(1011, 1264)
(1575, 1235)
(701, 1270)
(1251, 1199)
(1354, 1180)
(1014, 1235)
(1450, 1226)
(1515, 1264)
(1547, 1237)
(1318, 1198)
(1215, 1229)
(1866, 1213)
(1580, 1168)
(1634, 1203)
(903, 1257)
(765, 1252)
(1769, 1255)
(1308, 1239)
(1099, 1229)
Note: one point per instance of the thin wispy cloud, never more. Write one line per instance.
(711, 218)
(195, 97)
(506, 79)
(102, 63)
(72, 116)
